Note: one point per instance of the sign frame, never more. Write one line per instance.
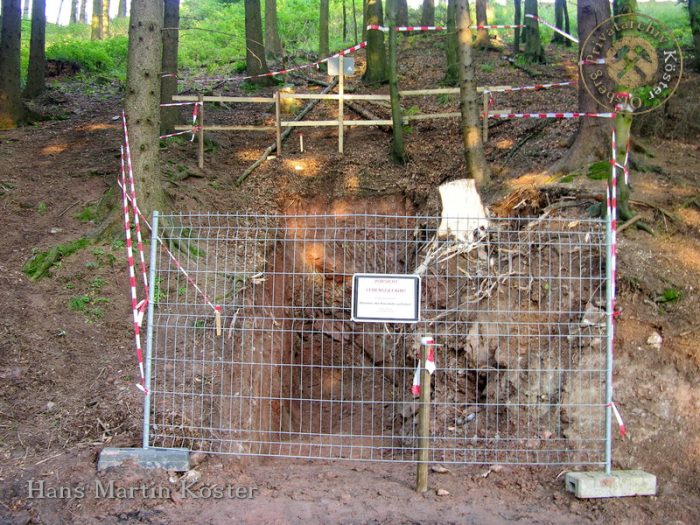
(368, 311)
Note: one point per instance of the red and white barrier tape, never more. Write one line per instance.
(551, 115)
(529, 88)
(555, 28)
(169, 104)
(429, 364)
(618, 417)
(386, 29)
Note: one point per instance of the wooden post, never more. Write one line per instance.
(278, 124)
(200, 158)
(423, 423)
(485, 118)
(341, 116)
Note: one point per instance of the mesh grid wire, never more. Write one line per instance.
(519, 311)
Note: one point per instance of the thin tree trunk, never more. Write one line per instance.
(10, 43)
(365, 4)
(96, 25)
(483, 39)
(592, 137)
(558, 20)
(142, 100)
(398, 152)
(402, 13)
(624, 7)
(376, 54)
(83, 12)
(345, 22)
(452, 72)
(60, 9)
(428, 13)
(255, 50)
(694, 13)
(104, 20)
(169, 116)
(517, 20)
(534, 52)
(73, 12)
(36, 74)
(567, 24)
(477, 168)
(25, 9)
(323, 49)
(273, 44)
(354, 19)
(121, 9)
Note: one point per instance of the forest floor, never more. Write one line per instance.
(67, 368)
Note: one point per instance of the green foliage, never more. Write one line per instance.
(101, 56)
(40, 263)
(79, 303)
(41, 208)
(669, 295)
(599, 170)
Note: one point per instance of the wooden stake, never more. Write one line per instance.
(301, 142)
(217, 316)
(341, 87)
(278, 120)
(485, 118)
(200, 157)
(423, 423)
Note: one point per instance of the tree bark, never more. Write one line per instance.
(452, 72)
(534, 51)
(517, 20)
(83, 12)
(255, 49)
(345, 22)
(558, 20)
(376, 54)
(323, 49)
(36, 73)
(104, 20)
(365, 4)
(428, 13)
(354, 19)
(592, 137)
(169, 116)
(483, 39)
(402, 13)
(96, 23)
(73, 12)
(477, 168)
(142, 100)
(567, 24)
(398, 151)
(273, 44)
(121, 9)
(694, 13)
(11, 110)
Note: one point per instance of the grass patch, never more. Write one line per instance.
(41, 263)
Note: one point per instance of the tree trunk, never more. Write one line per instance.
(517, 20)
(364, 19)
(104, 20)
(567, 24)
(83, 12)
(452, 73)
(255, 50)
(25, 9)
(345, 22)
(376, 54)
(428, 13)
(96, 25)
(169, 116)
(142, 100)
(623, 126)
(624, 7)
(534, 51)
(483, 39)
(592, 137)
(121, 9)
(323, 49)
(10, 43)
(559, 21)
(73, 12)
(273, 44)
(36, 74)
(398, 152)
(694, 12)
(354, 19)
(402, 13)
(477, 168)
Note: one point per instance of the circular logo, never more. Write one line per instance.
(631, 54)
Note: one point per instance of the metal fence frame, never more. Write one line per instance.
(601, 456)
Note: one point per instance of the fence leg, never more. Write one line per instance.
(278, 120)
(341, 116)
(423, 423)
(149, 329)
(200, 156)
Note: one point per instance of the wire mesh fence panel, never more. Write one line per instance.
(518, 309)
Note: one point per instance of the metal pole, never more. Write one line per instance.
(200, 159)
(423, 423)
(278, 120)
(341, 91)
(610, 305)
(485, 118)
(149, 329)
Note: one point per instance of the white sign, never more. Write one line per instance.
(385, 298)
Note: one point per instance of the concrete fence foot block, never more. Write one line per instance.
(617, 484)
(177, 459)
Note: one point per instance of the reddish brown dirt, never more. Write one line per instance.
(67, 376)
